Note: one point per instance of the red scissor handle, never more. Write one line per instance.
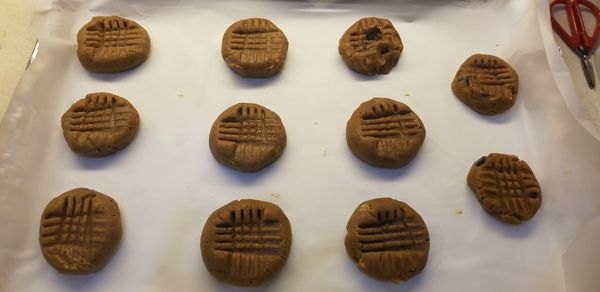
(578, 38)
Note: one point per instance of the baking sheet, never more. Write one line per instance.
(167, 183)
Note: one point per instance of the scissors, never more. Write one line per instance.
(578, 39)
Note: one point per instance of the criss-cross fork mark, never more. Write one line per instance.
(256, 42)
(75, 225)
(249, 131)
(100, 119)
(115, 37)
(246, 232)
(390, 126)
(489, 72)
(395, 232)
(116, 34)
(389, 120)
(510, 187)
(264, 41)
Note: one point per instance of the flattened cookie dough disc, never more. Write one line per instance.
(371, 46)
(387, 239)
(505, 187)
(109, 44)
(80, 231)
(384, 133)
(487, 84)
(247, 137)
(246, 242)
(100, 124)
(254, 47)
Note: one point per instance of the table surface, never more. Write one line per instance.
(16, 43)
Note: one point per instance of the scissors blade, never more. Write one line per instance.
(588, 71)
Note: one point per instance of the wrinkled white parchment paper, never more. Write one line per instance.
(167, 183)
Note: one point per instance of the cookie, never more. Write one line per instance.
(254, 47)
(487, 84)
(246, 242)
(387, 239)
(247, 137)
(505, 187)
(80, 231)
(100, 124)
(371, 46)
(112, 44)
(385, 133)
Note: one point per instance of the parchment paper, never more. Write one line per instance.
(167, 183)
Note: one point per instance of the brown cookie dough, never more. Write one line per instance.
(109, 44)
(387, 239)
(80, 231)
(254, 47)
(371, 46)
(487, 84)
(384, 133)
(505, 187)
(247, 137)
(100, 124)
(246, 242)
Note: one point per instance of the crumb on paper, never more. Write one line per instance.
(458, 212)
(316, 123)
(180, 95)
(568, 172)
(407, 94)
(276, 195)
(324, 152)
